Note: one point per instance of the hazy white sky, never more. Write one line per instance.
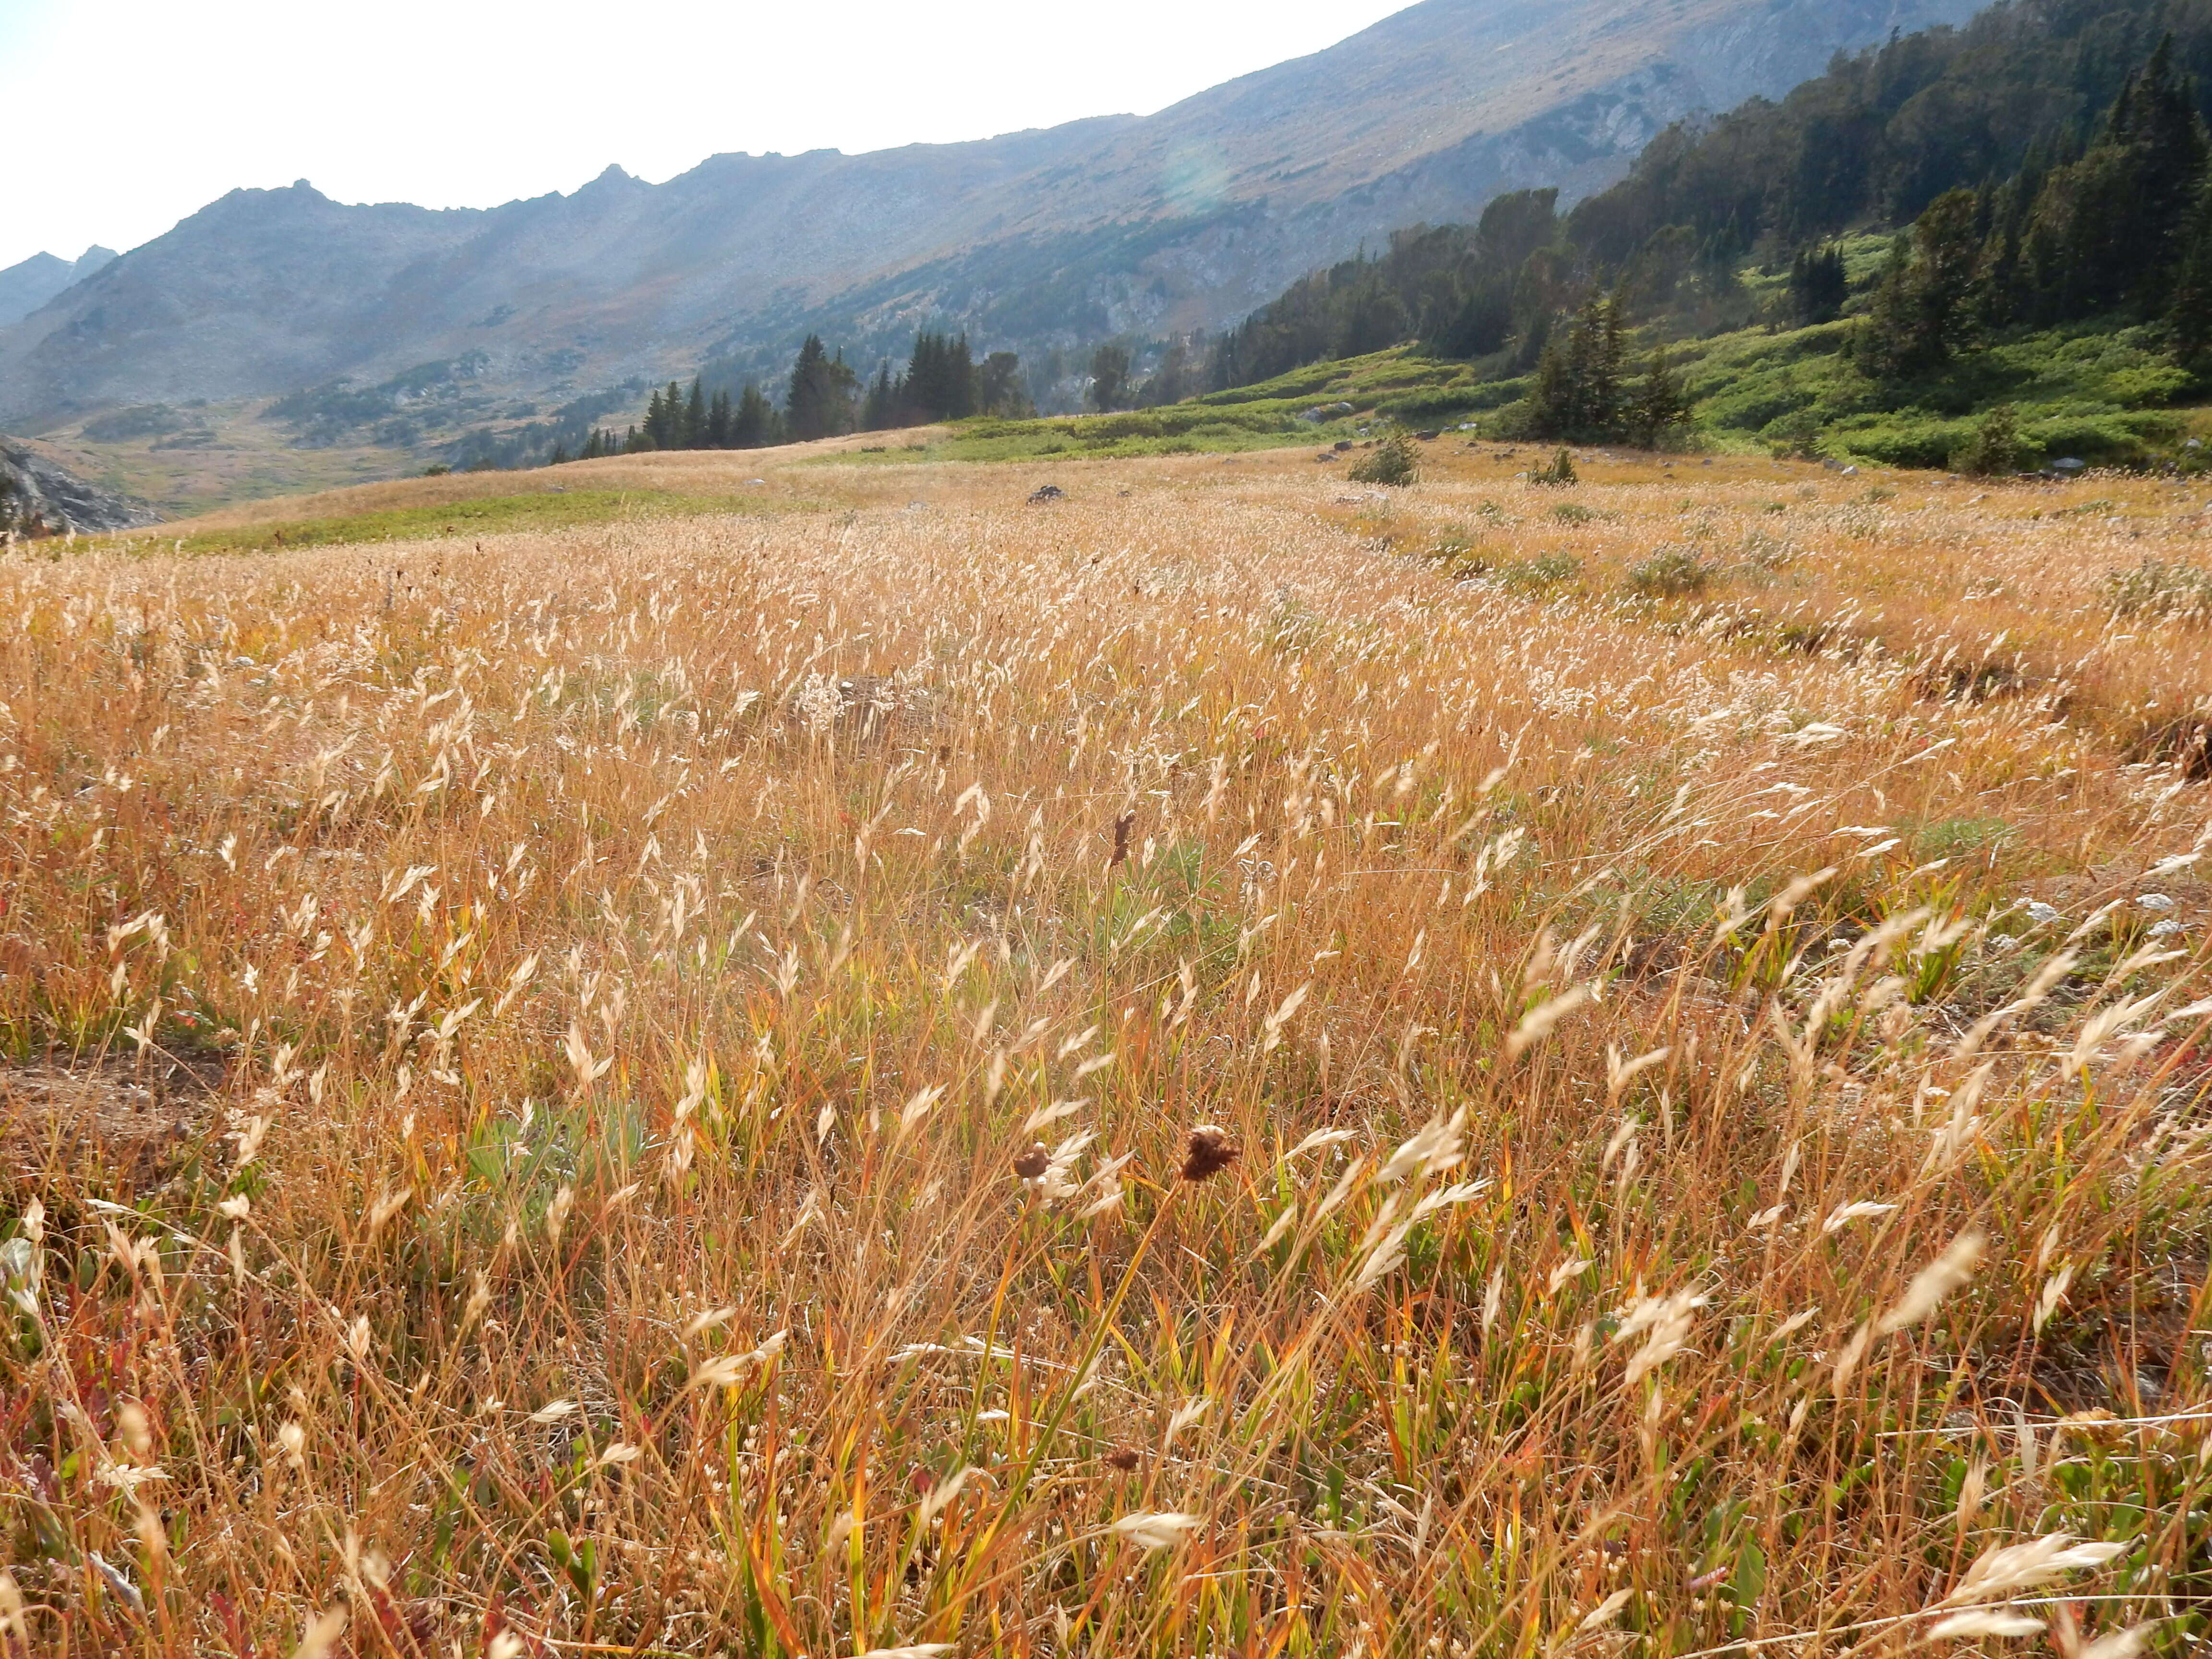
(127, 115)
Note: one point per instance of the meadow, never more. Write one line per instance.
(1227, 1063)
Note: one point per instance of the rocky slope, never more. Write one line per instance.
(1182, 219)
(40, 496)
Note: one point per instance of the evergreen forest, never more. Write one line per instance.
(822, 398)
(1938, 226)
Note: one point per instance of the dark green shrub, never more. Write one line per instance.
(1558, 475)
(1393, 461)
(1670, 572)
(1995, 450)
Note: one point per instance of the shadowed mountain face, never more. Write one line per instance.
(1186, 218)
(26, 286)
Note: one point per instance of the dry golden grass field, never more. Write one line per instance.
(1227, 1064)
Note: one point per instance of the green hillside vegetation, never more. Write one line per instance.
(2046, 291)
(489, 515)
(1349, 397)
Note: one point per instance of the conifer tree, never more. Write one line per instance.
(1579, 392)
(665, 428)
(1818, 285)
(999, 389)
(1109, 377)
(1660, 405)
(1921, 313)
(880, 409)
(1552, 398)
(818, 402)
(694, 433)
(2190, 313)
(717, 422)
(754, 425)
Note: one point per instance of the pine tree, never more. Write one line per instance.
(717, 422)
(666, 419)
(879, 409)
(939, 384)
(1551, 398)
(694, 433)
(754, 426)
(1818, 285)
(999, 389)
(1109, 377)
(2110, 229)
(1608, 357)
(1923, 312)
(808, 400)
(959, 380)
(1578, 391)
(1660, 405)
(2188, 314)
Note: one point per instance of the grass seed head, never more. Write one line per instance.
(1207, 1152)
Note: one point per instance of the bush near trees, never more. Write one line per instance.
(1996, 448)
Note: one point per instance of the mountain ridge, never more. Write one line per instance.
(1049, 237)
(26, 286)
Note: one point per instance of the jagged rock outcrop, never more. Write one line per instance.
(40, 496)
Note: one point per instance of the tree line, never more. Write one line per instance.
(2048, 160)
(823, 398)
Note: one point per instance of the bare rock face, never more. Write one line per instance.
(40, 496)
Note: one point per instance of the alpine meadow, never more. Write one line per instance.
(831, 1051)
(1412, 862)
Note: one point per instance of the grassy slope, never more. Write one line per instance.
(2103, 392)
(607, 1209)
(682, 484)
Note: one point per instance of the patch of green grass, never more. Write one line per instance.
(1952, 838)
(489, 515)
(1537, 575)
(2094, 391)
(1174, 429)
(1039, 440)
(2101, 390)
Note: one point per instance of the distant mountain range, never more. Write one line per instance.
(26, 286)
(1033, 240)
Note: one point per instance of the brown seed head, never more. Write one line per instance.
(1030, 1164)
(1122, 825)
(1121, 1458)
(1210, 1151)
